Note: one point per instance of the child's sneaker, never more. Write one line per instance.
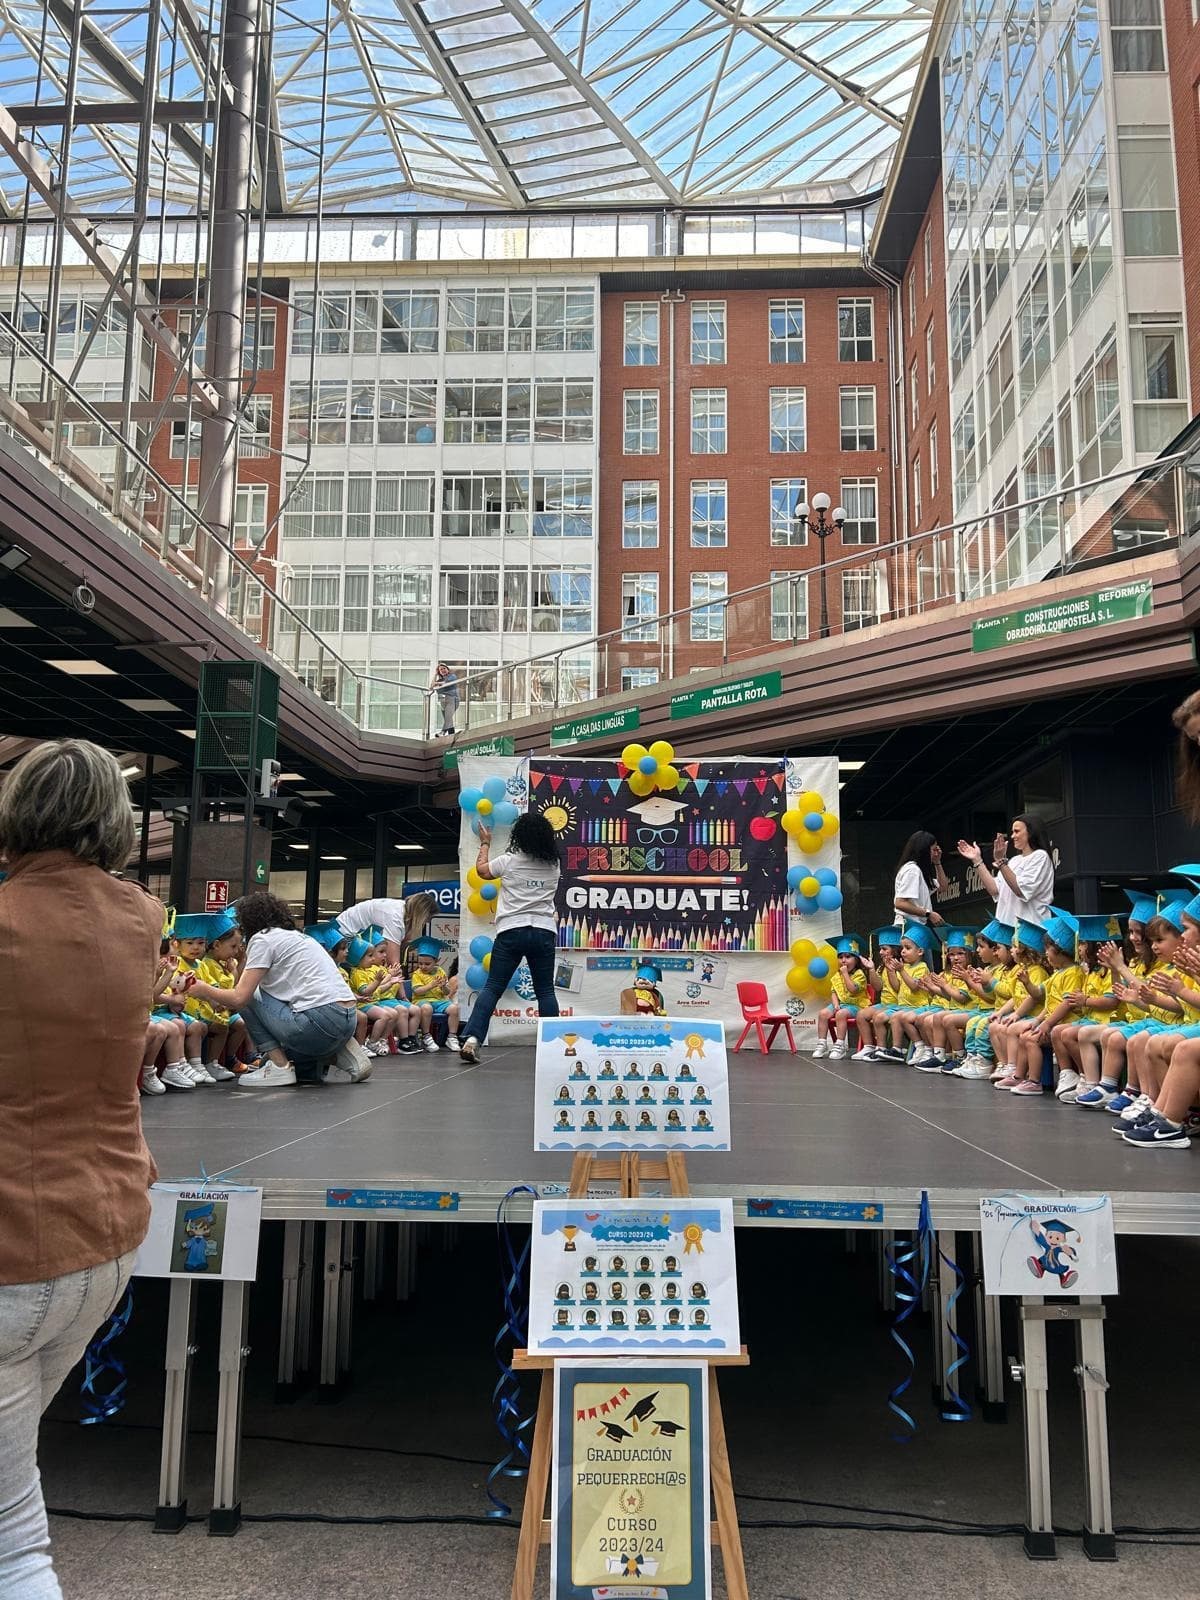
(890, 1052)
(839, 1052)
(1121, 1102)
(1008, 1081)
(921, 1055)
(1156, 1133)
(1067, 1085)
(177, 1076)
(268, 1076)
(1095, 1098)
(926, 1063)
(428, 1042)
(1000, 1071)
(150, 1083)
(866, 1052)
(979, 1072)
(219, 1073)
(820, 1050)
(453, 1042)
(1026, 1086)
(198, 1072)
(950, 1066)
(409, 1047)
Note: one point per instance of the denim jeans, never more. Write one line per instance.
(44, 1329)
(309, 1037)
(537, 946)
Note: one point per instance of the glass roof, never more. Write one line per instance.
(517, 104)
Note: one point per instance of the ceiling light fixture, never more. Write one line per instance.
(850, 766)
(130, 772)
(14, 619)
(13, 558)
(333, 858)
(291, 777)
(83, 668)
(408, 847)
(187, 733)
(149, 705)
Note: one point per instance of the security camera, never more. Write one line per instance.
(83, 599)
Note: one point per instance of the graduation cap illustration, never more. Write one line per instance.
(647, 972)
(614, 1431)
(667, 1429)
(200, 1213)
(658, 811)
(998, 932)
(642, 1411)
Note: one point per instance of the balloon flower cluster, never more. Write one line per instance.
(481, 962)
(812, 967)
(482, 894)
(807, 822)
(650, 769)
(489, 805)
(815, 890)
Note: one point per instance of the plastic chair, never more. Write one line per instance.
(756, 1012)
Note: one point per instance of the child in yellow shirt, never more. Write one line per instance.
(1016, 1015)
(872, 1018)
(1054, 1005)
(848, 991)
(433, 988)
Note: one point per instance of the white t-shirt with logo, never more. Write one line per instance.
(527, 891)
(298, 971)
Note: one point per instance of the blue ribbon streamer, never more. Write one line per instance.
(955, 1409)
(506, 1396)
(900, 1254)
(100, 1359)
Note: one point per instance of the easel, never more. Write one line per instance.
(629, 1169)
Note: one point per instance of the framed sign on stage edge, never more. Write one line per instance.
(630, 1495)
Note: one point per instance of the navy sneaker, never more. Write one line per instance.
(951, 1064)
(1157, 1134)
(1120, 1102)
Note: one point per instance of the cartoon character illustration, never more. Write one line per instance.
(644, 997)
(197, 1244)
(706, 971)
(1056, 1254)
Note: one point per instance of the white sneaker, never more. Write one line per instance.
(820, 1050)
(268, 1076)
(1068, 1083)
(923, 1054)
(1132, 1112)
(1000, 1072)
(150, 1082)
(429, 1042)
(980, 1073)
(177, 1076)
(839, 1052)
(452, 1043)
(199, 1072)
(354, 1062)
(865, 1053)
(219, 1073)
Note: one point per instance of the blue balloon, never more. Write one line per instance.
(505, 814)
(818, 967)
(812, 821)
(829, 899)
(489, 891)
(476, 977)
(826, 875)
(475, 821)
(495, 789)
(479, 946)
(468, 799)
(794, 876)
(648, 765)
(806, 904)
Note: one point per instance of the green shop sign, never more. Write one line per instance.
(502, 745)
(727, 696)
(595, 727)
(1119, 604)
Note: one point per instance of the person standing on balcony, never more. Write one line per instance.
(919, 872)
(445, 686)
(1023, 887)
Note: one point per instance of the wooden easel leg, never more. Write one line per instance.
(534, 1509)
(724, 1505)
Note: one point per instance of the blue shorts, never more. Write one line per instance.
(843, 1011)
(390, 1004)
(438, 1007)
(1128, 1029)
(165, 1016)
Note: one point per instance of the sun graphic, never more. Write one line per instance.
(560, 816)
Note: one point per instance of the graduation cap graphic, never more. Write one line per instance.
(642, 1411)
(668, 1429)
(658, 811)
(614, 1431)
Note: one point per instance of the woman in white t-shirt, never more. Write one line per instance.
(918, 871)
(526, 921)
(1022, 888)
(297, 1007)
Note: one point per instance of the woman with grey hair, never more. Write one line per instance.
(74, 1168)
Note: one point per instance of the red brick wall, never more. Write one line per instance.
(1183, 61)
(930, 312)
(748, 466)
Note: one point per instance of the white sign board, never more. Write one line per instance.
(201, 1231)
(639, 1276)
(1048, 1246)
(631, 1083)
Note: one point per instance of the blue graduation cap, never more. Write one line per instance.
(1172, 897)
(649, 973)
(219, 924)
(958, 938)
(1031, 936)
(1144, 906)
(1062, 929)
(1098, 929)
(200, 1213)
(1189, 870)
(357, 952)
(192, 926)
(921, 935)
(427, 946)
(887, 937)
(998, 932)
(327, 934)
(847, 944)
(1172, 911)
(1192, 910)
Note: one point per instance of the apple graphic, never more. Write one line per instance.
(762, 828)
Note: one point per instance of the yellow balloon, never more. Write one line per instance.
(662, 752)
(642, 783)
(486, 963)
(666, 777)
(791, 822)
(798, 980)
(810, 800)
(809, 842)
(632, 754)
(478, 906)
(810, 886)
(828, 953)
(821, 990)
(802, 951)
(484, 808)
(474, 881)
(829, 824)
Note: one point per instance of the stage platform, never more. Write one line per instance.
(803, 1130)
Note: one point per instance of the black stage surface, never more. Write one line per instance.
(802, 1130)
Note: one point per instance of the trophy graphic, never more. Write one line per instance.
(570, 1039)
(569, 1232)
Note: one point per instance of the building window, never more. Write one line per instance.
(561, 504)
(639, 599)
(927, 252)
(185, 437)
(857, 408)
(786, 527)
(475, 319)
(930, 360)
(564, 319)
(638, 677)
(560, 600)
(856, 330)
(860, 501)
(473, 600)
(1098, 414)
(914, 394)
(324, 328)
(710, 524)
(314, 593)
(966, 463)
(708, 332)
(786, 322)
(709, 408)
(254, 427)
(933, 459)
(912, 302)
(639, 516)
(858, 599)
(1147, 191)
(1033, 333)
(407, 411)
(916, 504)
(789, 413)
(1137, 36)
(640, 437)
(408, 322)
(563, 411)
(708, 590)
(401, 600)
(396, 696)
(1159, 408)
(477, 505)
(250, 516)
(641, 333)
(474, 411)
(258, 340)
(1001, 393)
(403, 506)
(789, 606)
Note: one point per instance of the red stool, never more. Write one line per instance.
(756, 1012)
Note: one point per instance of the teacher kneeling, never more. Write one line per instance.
(78, 949)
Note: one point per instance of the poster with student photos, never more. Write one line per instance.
(633, 1275)
(631, 1083)
(1039, 1245)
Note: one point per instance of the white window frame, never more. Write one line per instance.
(631, 311)
(783, 431)
(641, 531)
(639, 587)
(918, 509)
(863, 435)
(933, 459)
(786, 530)
(856, 522)
(709, 437)
(862, 345)
(788, 347)
(930, 360)
(708, 325)
(789, 606)
(639, 435)
(709, 531)
(709, 594)
(927, 254)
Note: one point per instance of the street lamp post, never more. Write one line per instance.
(818, 520)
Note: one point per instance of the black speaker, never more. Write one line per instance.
(237, 719)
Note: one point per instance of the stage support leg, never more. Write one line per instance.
(989, 1353)
(1035, 1385)
(370, 1260)
(850, 1237)
(289, 1309)
(304, 1302)
(171, 1513)
(345, 1338)
(331, 1294)
(405, 1260)
(226, 1514)
(1099, 1540)
(887, 1284)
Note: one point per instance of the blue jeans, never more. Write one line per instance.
(311, 1038)
(44, 1329)
(537, 947)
